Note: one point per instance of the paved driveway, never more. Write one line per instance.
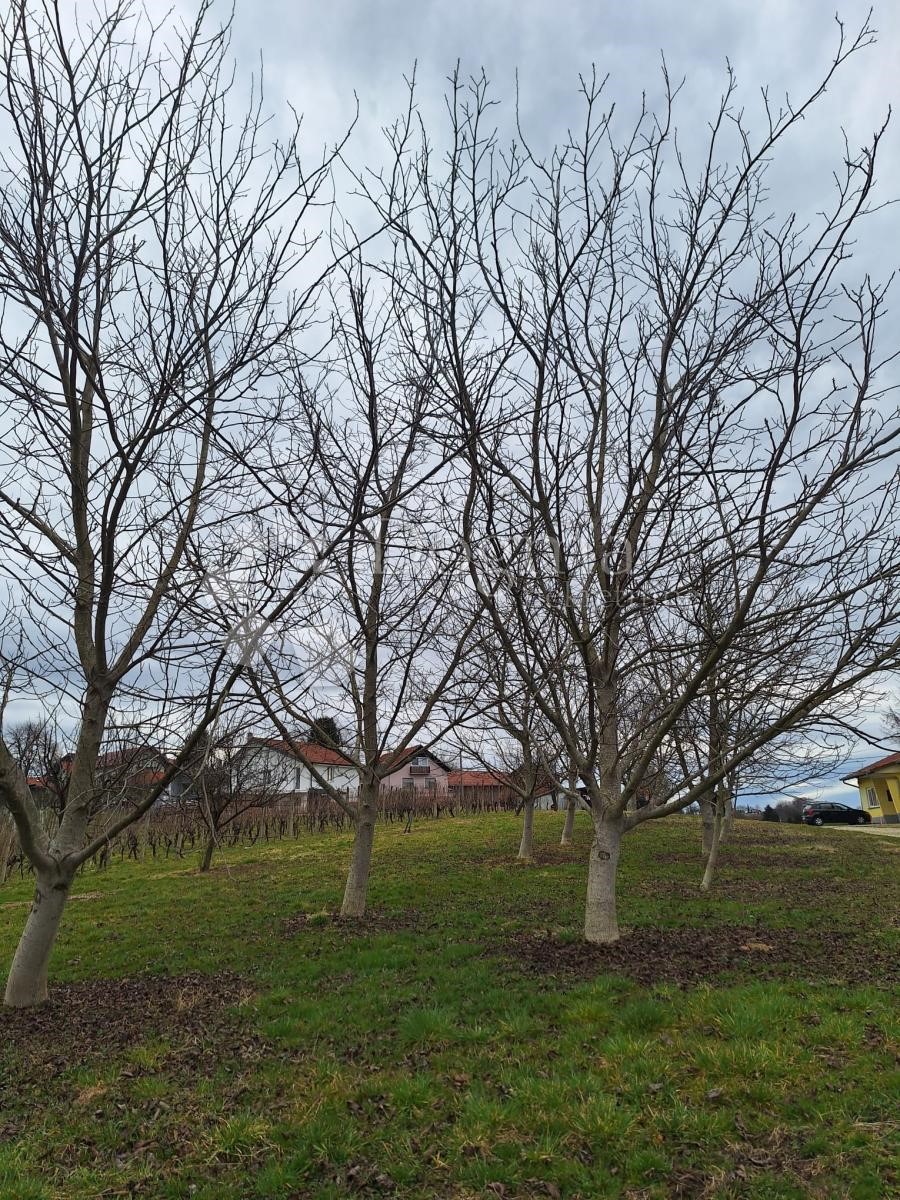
(891, 831)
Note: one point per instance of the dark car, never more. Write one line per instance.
(827, 812)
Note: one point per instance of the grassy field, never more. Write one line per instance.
(225, 1037)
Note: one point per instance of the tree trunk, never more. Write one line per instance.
(713, 856)
(357, 888)
(708, 817)
(569, 825)
(208, 852)
(27, 981)
(600, 921)
(526, 845)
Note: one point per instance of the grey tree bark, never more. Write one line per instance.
(208, 851)
(569, 824)
(356, 889)
(26, 984)
(713, 856)
(526, 845)
(601, 922)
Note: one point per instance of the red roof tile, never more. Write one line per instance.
(311, 751)
(481, 779)
(467, 778)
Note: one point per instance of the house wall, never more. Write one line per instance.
(277, 769)
(287, 774)
(887, 795)
(344, 778)
(420, 782)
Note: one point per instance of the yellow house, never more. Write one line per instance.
(879, 789)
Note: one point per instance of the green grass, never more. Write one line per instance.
(417, 1058)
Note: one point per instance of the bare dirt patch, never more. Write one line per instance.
(374, 921)
(558, 856)
(774, 1153)
(686, 956)
(81, 1020)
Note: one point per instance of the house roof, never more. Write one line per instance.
(469, 778)
(132, 756)
(891, 760)
(483, 778)
(145, 764)
(310, 751)
(395, 759)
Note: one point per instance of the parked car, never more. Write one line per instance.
(828, 812)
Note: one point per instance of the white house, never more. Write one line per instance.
(282, 766)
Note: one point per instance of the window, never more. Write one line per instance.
(298, 779)
(408, 784)
(872, 798)
(430, 785)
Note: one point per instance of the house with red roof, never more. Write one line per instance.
(286, 765)
(474, 784)
(415, 769)
(879, 789)
(498, 785)
(127, 773)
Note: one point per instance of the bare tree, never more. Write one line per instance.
(226, 780)
(572, 804)
(149, 255)
(380, 637)
(651, 370)
(743, 695)
(36, 747)
(511, 739)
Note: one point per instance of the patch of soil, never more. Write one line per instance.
(686, 955)
(543, 856)
(804, 860)
(765, 833)
(375, 920)
(777, 1153)
(558, 856)
(80, 1020)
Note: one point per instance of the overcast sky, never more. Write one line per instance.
(318, 56)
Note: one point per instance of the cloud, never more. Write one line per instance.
(318, 55)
